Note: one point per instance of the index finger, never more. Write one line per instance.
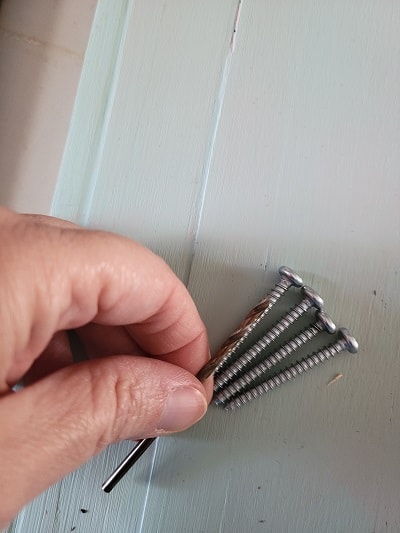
(57, 278)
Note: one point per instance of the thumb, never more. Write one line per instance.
(58, 423)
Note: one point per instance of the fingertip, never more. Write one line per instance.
(183, 407)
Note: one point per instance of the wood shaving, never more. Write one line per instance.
(335, 379)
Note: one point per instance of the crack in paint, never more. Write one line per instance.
(212, 142)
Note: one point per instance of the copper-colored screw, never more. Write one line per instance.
(310, 299)
(221, 360)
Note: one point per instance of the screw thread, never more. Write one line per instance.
(244, 330)
(288, 374)
(279, 290)
(233, 370)
(238, 386)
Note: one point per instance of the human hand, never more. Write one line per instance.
(141, 333)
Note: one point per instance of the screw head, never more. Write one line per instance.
(291, 275)
(350, 342)
(313, 296)
(326, 321)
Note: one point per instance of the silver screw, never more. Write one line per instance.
(310, 299)
(346, 342)
(323, 323)
(289, 278)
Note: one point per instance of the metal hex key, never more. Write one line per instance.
(235, 379)
(141, 446)
(289, 278)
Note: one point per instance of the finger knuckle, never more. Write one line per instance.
(129, 409)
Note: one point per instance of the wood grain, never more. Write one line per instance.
(229, 159)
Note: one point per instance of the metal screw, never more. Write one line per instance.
(221, 359)
(311, 299)
(346, 342)
(323, 323)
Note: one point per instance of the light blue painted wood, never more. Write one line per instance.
(144, 120)
(305, 172)
(162, 107)
(312, 153)
(230, 158)
(93, 106)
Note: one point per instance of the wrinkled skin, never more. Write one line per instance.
(141, 333)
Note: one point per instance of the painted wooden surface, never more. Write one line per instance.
(233, 137)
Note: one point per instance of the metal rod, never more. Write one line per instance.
(288, 279)
(143, 444)
(127, 463)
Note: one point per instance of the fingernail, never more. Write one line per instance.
(184, 407)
